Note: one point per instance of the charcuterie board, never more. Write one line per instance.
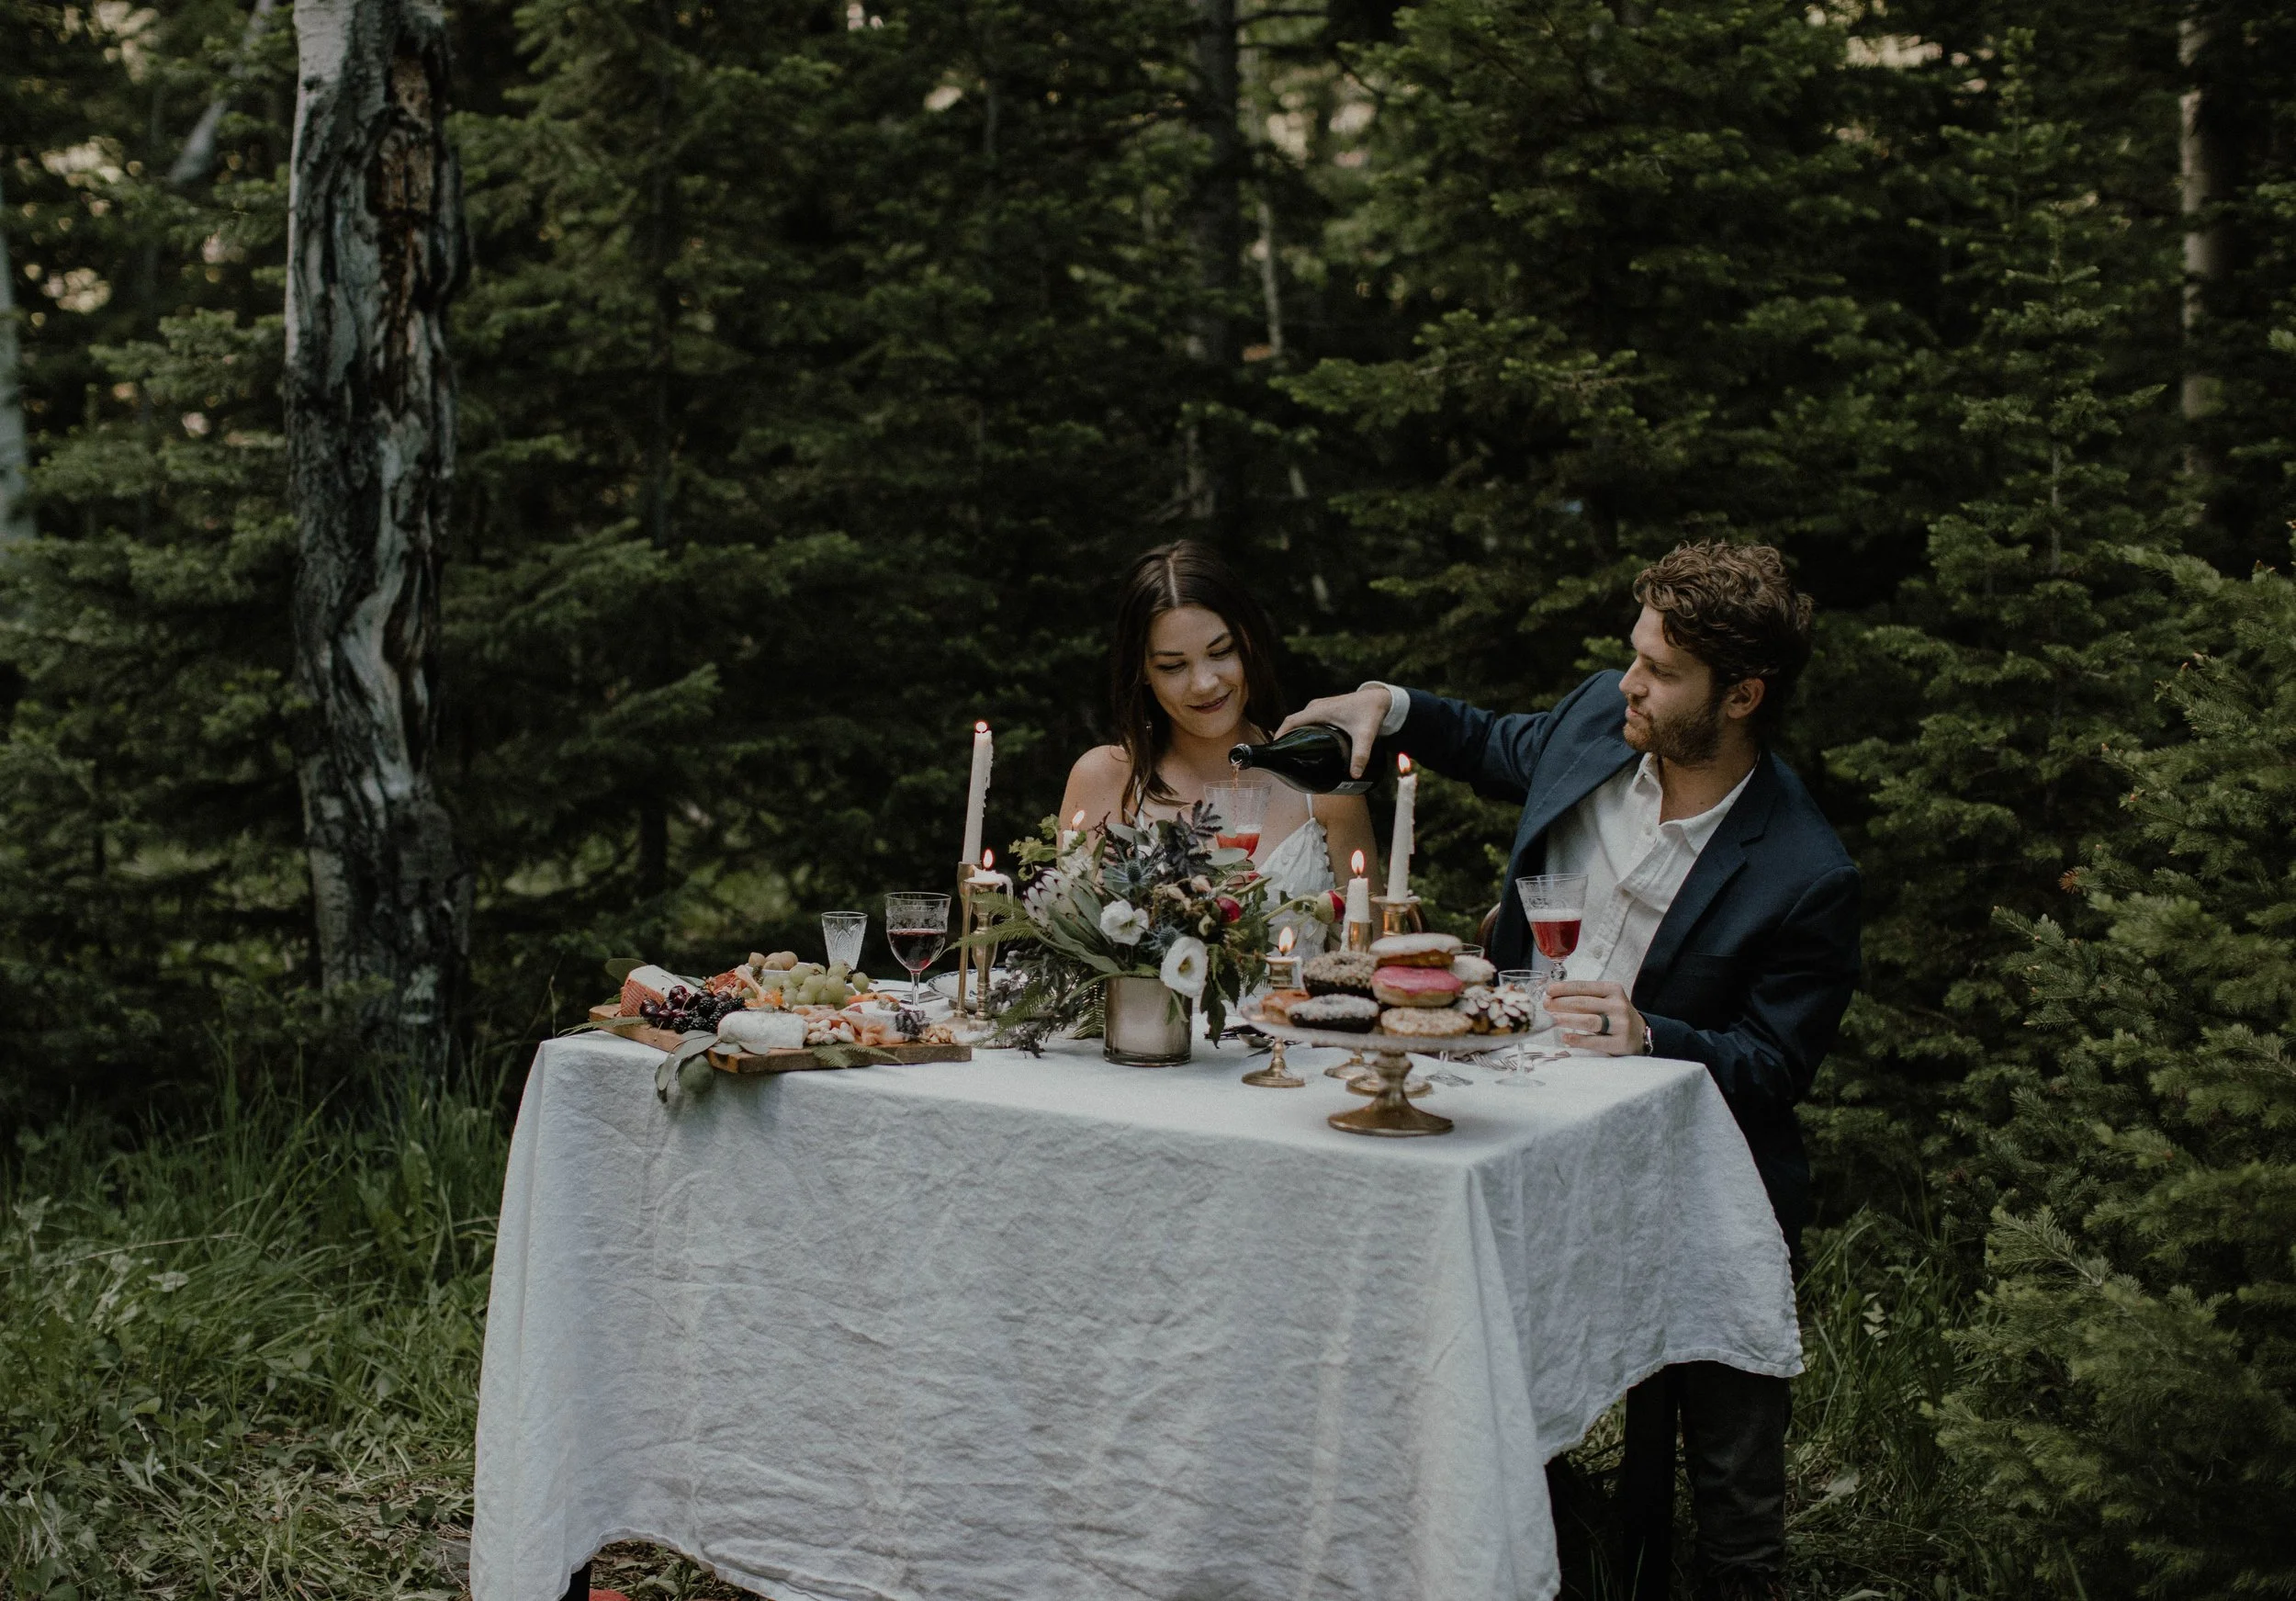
(801, 1059)
(608, 1014)
(811, 1057)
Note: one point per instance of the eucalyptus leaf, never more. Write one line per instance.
(853, 1055)
(602, 1025)
(620, 967)
(690, 1048)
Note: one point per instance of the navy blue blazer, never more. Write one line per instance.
(1753, 965)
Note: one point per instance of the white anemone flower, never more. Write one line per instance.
(1185, 966)
(1123, 922)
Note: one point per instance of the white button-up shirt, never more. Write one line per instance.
(1634, 865)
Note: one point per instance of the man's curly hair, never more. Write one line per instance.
(1734, 608)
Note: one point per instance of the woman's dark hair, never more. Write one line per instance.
(1164, 579)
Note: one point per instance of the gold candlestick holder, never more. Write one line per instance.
(974, 962)
(1400, 917)
(1276, 1075)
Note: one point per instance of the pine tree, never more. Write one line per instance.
(1654, 256)
(832, 365)
(2132, 1388)
(2033, 635)
(152, 879)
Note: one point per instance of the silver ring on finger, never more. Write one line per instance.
(1605, 1028)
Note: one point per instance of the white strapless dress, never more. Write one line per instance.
(1302, 865)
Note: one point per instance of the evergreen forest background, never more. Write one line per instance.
(821, 364)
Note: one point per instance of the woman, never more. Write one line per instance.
(1193, 672)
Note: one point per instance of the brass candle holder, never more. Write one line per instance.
(1276, 1075)
(1399, 917)
(974, 962)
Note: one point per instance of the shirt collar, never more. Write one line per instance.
(1693, 831)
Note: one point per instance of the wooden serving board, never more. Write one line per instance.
(610, 1011)
(810, 1058)
(801, 1059)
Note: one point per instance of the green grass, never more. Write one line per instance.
(242, 1362)
(1875, 1506)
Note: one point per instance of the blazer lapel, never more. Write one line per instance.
(1716, 865)
(1593, 766)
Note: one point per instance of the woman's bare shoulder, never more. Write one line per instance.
(1103, 764)
(1096, 785)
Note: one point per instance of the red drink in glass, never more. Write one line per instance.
(1237, 809)
(1556, 937)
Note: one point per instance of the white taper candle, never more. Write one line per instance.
(1399, 848)
(977, 797)
(1358, 892)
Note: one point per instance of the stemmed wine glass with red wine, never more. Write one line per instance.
(916, 927)
(1555, 905)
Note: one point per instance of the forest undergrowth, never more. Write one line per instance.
(240, 1359)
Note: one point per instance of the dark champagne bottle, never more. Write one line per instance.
(1313, 757)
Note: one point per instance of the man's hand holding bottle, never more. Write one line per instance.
(1359, 715)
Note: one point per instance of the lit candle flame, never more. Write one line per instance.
(1284, 939)
(1078, 820)
(988, 860)
(1355, 864)
(1402, 763)
(981, 728)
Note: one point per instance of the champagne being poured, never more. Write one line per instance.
(1314, 757)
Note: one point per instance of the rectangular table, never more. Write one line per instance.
(1027, 1329)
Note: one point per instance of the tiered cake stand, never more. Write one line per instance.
(1388, 1112)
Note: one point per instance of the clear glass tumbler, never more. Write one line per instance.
(1238, 810)
(842, 933)
(1513, 1064)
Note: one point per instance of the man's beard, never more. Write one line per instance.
(1691, 738)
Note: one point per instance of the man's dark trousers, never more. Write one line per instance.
(1748, 973)
(1733, 1432)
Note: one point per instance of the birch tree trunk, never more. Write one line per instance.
(2200, 185)
(15, 521)
(1216, 230)
(375, 249)
(198, 158)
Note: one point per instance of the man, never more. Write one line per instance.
(1721, 927)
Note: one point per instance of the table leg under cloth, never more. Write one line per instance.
(1019, 1328)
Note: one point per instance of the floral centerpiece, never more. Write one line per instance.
(1162, 900)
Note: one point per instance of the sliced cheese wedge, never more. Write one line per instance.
(650, 983)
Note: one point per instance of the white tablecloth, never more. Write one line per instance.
(1054, 1330)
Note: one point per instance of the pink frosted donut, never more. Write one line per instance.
(1416, 986)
